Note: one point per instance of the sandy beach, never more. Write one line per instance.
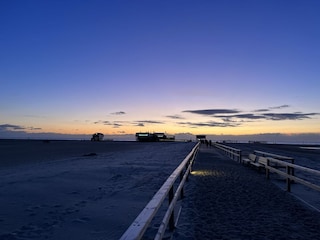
(94, 190)
(61, 190)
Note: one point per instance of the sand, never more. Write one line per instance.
(87, 190)
(53, 191)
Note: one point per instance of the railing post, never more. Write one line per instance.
(292, 170)
(289, 172)
(171, 221)
(267, 169)
(182, 192)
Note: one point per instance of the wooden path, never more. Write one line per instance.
(226, 200)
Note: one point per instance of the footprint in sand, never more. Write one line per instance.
(30, 231)
(81, 204)
(81, 220)
(70, 210)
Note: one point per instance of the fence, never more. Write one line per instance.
(139, 226)
(283, 162)
(275, 156)
(231, 152)
(288, 174)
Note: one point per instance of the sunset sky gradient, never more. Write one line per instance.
(198, 67)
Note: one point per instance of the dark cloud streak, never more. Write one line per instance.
(149, 122)
(212, 111)
(261, 110)
(280, 107)
(288, 116)
(242, 116)
(6, 127)
(175, 117)
(209, 124)
(227, 114)
(118, 113)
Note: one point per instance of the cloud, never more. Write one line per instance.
(280, 107)
(149, 122)
(104, 122)
(268, 109)
(142, 123)
(288, 116)
(212, 111)
(261, 110)
(210, 124)
(33, 128)
(175, 117)
(116, 124)
(118, 113)
(270, 116)
(10, 127)
(242, 116)
(230, 115)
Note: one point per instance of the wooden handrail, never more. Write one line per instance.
(306, 169)
(230, 151)
(227, 147)
(166, 218)
(137, 229)
(294, 178)
(264, 154)
(289, 173)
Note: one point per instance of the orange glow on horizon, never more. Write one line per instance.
(120, 128)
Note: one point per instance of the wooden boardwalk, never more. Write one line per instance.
(225, 200)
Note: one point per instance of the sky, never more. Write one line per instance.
(221, 68)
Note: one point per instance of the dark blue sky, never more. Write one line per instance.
(73, 66)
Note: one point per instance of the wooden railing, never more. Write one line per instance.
(139, 226)
(288, 173)
(275, 156)
(231, 152)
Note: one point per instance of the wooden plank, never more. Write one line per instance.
(252, 157)
(294, 178)
(310, 170)
(274, 155)
(256, 164)
(262, 160)
(246, 160)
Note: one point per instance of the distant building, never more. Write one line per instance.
(201, 137)
(97, 137)
(153, 137)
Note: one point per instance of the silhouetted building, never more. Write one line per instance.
(153, 137)
(97, 137)
(201, 137)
